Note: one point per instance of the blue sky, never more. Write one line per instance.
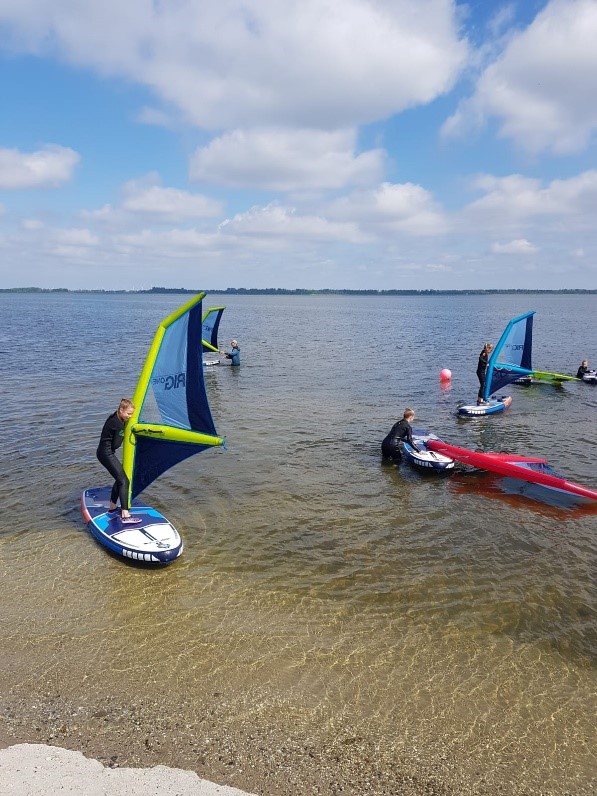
(363, 144)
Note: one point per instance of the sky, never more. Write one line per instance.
(341, 144)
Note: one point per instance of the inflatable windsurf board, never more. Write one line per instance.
(497, 404)
(153, 541)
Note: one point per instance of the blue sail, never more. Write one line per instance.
(512, 356)
(210, 325)
(172, 418)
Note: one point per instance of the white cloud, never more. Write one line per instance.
(521, 246)
(402, 207)
(501, 20)
(72, 244)
(286, 160)
(32, 224)
(270, 228)
(542, 88)
(76, 237)
(46, 168)
(147, 196)
(173, 242)
(277, 222)
(242, 63)
(104, 213)
(516, 199)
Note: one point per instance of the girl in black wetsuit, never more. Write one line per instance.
(110, 440)
(482, 370)
(401, 432)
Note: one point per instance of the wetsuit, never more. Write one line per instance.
(482, 370)
(401, 432)
(581, 372)
(110, 440)
(234, 356)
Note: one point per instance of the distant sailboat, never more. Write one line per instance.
(510, 359)
(172, 421)
(510, 363)
(209, 333)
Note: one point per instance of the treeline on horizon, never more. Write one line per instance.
(281, 291)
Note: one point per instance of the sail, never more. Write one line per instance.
(512, 356)
(211, 323)
(552, 378)
(525, 468)
(172, 419)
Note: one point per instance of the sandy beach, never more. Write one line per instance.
(27, 769)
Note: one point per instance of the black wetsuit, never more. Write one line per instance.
(401, 432)
(581, 372)
(482, 370)
(110, 440)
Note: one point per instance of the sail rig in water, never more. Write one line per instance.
(511, 358)
(172, 419)
(210, 326)
(525, 468)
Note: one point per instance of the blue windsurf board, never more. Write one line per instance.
(425, 459)
(492, 406)
(153, 541)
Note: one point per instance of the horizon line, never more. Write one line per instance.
(302, 291)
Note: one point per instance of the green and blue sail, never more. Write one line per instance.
(211, 324)
(172, 419)
(512, 356)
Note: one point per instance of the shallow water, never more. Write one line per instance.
(318, 588)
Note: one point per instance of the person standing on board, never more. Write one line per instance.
(400, 432)
(110, 440)
(234, 354)
(482, 370)
(583, 368)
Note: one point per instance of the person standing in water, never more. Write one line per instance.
(400, 432)
(234, 354)
(110, 440)
(482, 370)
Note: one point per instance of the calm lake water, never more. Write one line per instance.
(318, 587)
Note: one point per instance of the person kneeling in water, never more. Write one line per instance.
(400, 432)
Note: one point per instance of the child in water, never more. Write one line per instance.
(482, 370)
(110, 440)
(400, 432)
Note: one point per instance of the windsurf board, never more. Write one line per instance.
(152, 541)
(494, 405)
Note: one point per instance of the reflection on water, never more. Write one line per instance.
(318, 587)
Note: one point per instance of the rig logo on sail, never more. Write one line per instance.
(170, 382)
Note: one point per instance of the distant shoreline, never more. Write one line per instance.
(276, 291)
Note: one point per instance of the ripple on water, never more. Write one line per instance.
(320, 590)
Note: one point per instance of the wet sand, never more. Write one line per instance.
(260, 760)
(255, 757)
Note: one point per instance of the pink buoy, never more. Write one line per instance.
(445, 374)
